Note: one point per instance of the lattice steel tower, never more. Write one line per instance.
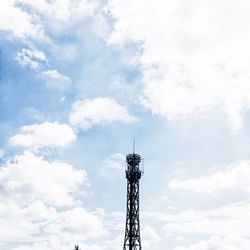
(132, 240)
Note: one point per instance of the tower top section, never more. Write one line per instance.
(133, 159)
(133, 172)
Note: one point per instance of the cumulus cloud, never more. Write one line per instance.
(25, 232)
(38, 207)
(23, 24)
(31, 57)
(56, 245)
(42, 135)
(235, 178)
(227, 221)
(56, 80)
(28, 177)
(62, 9)
(115, 161)
(20, 23)
(194, 56)
(20, 222)
(78, 222)
(216, 243)
(149, 236)
(91, 112)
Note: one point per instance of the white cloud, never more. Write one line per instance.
(56, 80)
(38, 207)
(42, 135)
(17, 21)
(23, 24)
(28, 177)
(115, 161)
(235, 178)
(78, 222)
(62, 10)
(227, 221)
(56, 245)
(149, 236)
(195, 56)
(90, 112)
(19, 222)
(31, 57)
(216, 243)
(115, 243)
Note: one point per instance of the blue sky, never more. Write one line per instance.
(80, 79)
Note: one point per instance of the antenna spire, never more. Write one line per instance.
(134, 145)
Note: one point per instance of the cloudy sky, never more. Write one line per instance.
(80, 78)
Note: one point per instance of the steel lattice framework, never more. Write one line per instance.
(132, 239)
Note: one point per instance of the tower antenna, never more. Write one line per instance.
(134, 145)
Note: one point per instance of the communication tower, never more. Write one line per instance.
(132, 240)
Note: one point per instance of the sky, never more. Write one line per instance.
(79, 79)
